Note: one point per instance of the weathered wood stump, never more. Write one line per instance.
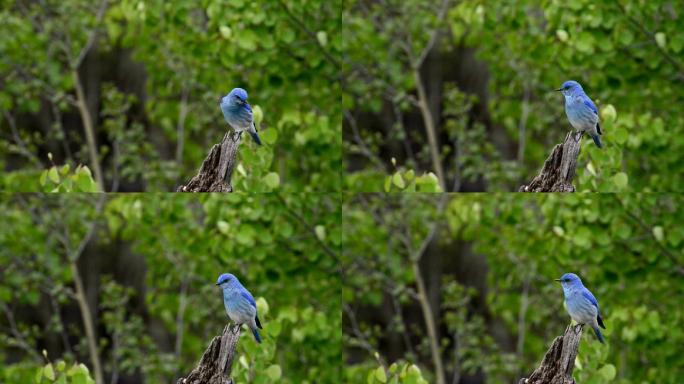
(217, 168)
(559, 167)
(559, 361)
(217, 361)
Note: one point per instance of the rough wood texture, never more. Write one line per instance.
(559, 167)
(217, 168)
(559, 361)
(217, 361)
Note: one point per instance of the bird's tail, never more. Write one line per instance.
(257, 337)
(597, 331)
(597, 140)
(255, 136)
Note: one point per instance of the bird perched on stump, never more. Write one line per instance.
(239, 303)
(238, 113)
(581, 304)
(581, 111)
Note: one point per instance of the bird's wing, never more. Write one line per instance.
(248, 107)
(590, 297)
(587, 295)
(587, 101)
(248, 296)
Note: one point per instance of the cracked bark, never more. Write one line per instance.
(217, 169)
(217, 361)
(559, 361)
(559, 168)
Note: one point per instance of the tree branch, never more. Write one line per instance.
(424, 107)
(91, 36)
(217, 168)
(559, 167)
(217, 361)
(73, 255)
(559, 361)
(423, 296)
(89, 129)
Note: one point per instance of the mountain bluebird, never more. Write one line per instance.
(238, 113)
(239, 303)
(582, 305)
(581, 111)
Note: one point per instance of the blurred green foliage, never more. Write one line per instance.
(627, 249)
(629, 56)
(151, 267)
(162, 67)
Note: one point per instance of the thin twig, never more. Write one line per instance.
(308, 226)
(299, 23)
(92, 36)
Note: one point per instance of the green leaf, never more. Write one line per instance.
(585, 42)
(272, 180)
(43, 177)
(658, 233)
(558, 231)
(269, 136)
(660, 39)
(226, 32)
(562, 35)
(398, 180)
(274, 372)
(380, 374)
(262, 306)
(53, 175)
(608, 372)
(608, 113)
(223, 226)
(257, 114)
(49, 372)
(322, 38)
(320, 232)
(79, 378)
(620, 180)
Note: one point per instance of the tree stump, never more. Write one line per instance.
(217, 361)
(559, 167)
(559, 361)
(217, 168)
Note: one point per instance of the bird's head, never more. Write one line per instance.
(226, 280)
(570, 87)
(569, 280)
(236, 96)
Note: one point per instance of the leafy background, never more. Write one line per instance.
(481, 74)
(151, 80)
(481, 268)
(147, 264)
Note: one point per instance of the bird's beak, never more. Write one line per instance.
(217, 284)
(557, 280)
(558, 90)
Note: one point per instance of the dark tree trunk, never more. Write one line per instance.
(217, 168)
(217, 361)
(559, 361)
(559, 167)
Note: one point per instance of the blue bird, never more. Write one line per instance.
(581, 111)
(238, 113)
(582, 305)
(239, 303)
